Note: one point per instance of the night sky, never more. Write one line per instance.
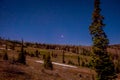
(56, 21)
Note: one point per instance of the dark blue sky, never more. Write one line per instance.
(56, 21)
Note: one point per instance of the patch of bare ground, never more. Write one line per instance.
(10, 71)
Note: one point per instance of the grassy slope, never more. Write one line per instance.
(35, 71)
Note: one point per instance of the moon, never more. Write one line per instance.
(62, 36)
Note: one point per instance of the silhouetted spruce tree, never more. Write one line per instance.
(101, 60)
(78, 61)
(5, 56)
(22, 55)
(63, 57)
(36, 53)
(47, 62)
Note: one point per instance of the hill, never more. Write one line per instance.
(35, 71)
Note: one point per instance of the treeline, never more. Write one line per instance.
(68, 48)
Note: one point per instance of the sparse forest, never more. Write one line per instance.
(23, 60)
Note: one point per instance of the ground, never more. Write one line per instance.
(35, 71)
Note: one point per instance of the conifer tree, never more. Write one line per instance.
(5, 56)
(78, 61)
(36, 53)
(48, 62)
(63, 57)
(22, 56)
(101, 60)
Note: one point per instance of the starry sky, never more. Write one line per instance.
(56, 21)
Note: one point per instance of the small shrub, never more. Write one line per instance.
(32, 55)
(43, 56)
(54, 55)
(71, 62)
(83, 63)
(13, 60)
